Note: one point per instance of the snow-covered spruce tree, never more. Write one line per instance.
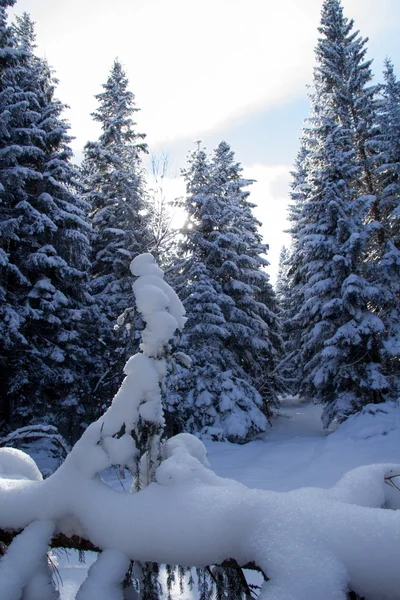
(282, 277)
(342, 334)
(10, 275)
(384, 256)
(253, 321)
(162, 313)
(343, 74)
(387, 153)
(353, 93)
(199, 396)
(114, 182)
(291, 296)
(44, 243)
(282, 286)
(285, 293)
(224, 292)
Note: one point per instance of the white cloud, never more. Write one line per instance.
(271, 194)
(192, 65)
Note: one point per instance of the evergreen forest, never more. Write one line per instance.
(79, 328)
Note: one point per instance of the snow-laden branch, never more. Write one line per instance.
(105, 577)
(36, 432)
(312, 543)
(21, 565)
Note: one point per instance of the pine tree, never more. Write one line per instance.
(342, 334)
(224, 291)
(45, 243)
(384, 256)
(202, 394)
(12, 279)
(119, 210)
(254, 325)
(292, 298)
(285, 291)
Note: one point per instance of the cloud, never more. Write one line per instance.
(271, 194)
(194, 66)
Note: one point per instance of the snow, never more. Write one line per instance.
(340, 532)
(72, 572)
(22, 559)
(105, 577)
(15, 463)
(184, 453)
(140, 392)
(311, 541)
(288, 534)
(149, 273)
(159, 304)
(298, 452)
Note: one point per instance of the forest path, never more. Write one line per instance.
(285, 459)
(297, 452)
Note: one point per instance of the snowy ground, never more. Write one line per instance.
(296, 453)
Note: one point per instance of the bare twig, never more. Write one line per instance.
(389, 479)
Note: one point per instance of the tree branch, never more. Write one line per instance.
(60, 540)
(75, 542)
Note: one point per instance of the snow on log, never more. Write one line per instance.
(22, 560)
(41, 587)
(15, 463)
(309, 542)
(105, 577)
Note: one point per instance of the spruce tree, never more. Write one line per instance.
(12, 280)
(231, 334)
(201, 396)
(342, 332)
(253, 321)
(387, 151)
(343, 74)
(45, 243)
(281, 279)
(384, 256)
(291, 294)
(114, 185)
(285, 292)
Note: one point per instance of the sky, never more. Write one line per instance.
(233, 70)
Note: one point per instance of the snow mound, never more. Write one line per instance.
(15, 464)
(21, 563)
(372, 421)
(186, 460)
(185, 443)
